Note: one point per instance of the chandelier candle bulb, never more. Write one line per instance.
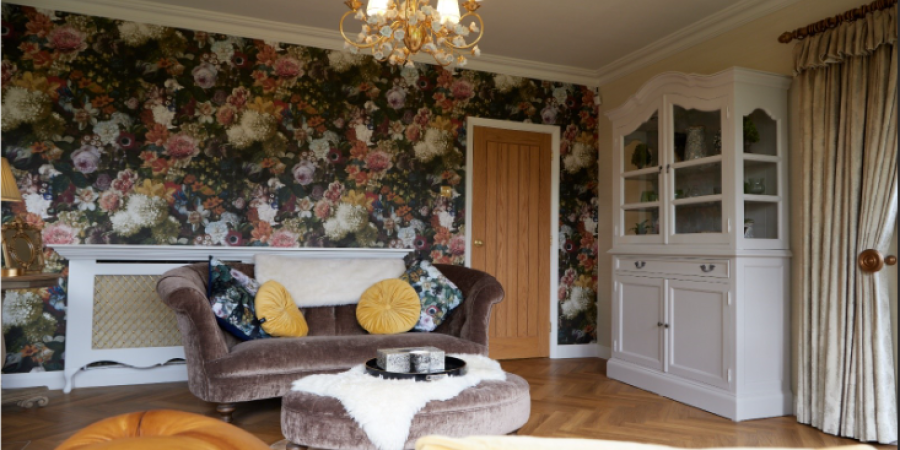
(449, 10)
(377, 7)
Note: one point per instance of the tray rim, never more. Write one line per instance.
(375, 371)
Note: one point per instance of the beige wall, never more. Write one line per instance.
(754, 46)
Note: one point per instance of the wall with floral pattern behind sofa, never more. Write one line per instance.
(128, 133)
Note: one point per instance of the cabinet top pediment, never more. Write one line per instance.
(707, 84)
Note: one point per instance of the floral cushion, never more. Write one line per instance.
(438, 294)
(231, 295)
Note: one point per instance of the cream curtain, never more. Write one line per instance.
(846, 79)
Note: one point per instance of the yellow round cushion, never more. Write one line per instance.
(278, 313)
(389, 307)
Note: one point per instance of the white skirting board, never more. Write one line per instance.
(593, 350)
(105, 376)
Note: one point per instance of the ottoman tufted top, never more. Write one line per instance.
(491, 407)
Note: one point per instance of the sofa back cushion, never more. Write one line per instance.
(326, 282)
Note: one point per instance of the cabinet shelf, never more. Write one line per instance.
(640, 206)
(761, 158)
(648, 172)
(762, 198)
(697, 162)
(643, 174)
(700, 199)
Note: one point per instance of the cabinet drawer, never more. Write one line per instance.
(719, 268)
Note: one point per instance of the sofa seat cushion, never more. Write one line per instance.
(323, 353)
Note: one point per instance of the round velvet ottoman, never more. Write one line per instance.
(491, 407)
(162, 429)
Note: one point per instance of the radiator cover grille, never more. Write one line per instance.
(128, 313)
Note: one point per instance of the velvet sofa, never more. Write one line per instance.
(224, 370)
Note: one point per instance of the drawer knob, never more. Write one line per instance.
(707, 269)
(639, 264)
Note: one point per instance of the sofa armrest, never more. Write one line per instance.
(184, 290)
(481, 291)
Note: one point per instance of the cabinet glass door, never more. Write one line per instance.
(762, 190)
(695, 173)
(640, 193)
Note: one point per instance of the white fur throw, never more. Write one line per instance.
(384, 409)
(325, 282)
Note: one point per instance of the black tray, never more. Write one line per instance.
(453, 367)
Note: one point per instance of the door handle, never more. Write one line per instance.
(708, 269)
(871, 260)
(478, 242)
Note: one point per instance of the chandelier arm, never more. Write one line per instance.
(473, 43)
(440, 63)
(361, 46)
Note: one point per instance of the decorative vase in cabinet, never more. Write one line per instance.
(696, 147)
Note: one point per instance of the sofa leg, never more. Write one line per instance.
(225, 410)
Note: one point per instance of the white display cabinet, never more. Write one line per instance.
(700, 242)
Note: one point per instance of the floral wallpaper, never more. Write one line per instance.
(127, 133)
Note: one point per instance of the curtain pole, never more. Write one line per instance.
(831, 22)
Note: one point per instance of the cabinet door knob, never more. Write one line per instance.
(660, 324)
(478, 242)
(639, 264)
(707, 269)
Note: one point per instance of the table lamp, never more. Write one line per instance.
(10, 193)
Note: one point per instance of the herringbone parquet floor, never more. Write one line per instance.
(570, 398)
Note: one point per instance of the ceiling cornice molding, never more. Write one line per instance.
(534, 69)
(248, 27)
(696, 33)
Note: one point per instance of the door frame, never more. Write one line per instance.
(556, 350)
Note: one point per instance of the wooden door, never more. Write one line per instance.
(511, 236)
(638, 316)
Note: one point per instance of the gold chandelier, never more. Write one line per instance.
(395, 30)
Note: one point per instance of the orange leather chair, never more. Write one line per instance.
(162, 429)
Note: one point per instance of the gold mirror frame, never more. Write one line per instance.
(23, 251)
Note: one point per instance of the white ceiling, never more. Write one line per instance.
(588, 42)
(586, 34)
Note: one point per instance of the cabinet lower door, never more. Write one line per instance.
(700, 326)
(638, 316)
